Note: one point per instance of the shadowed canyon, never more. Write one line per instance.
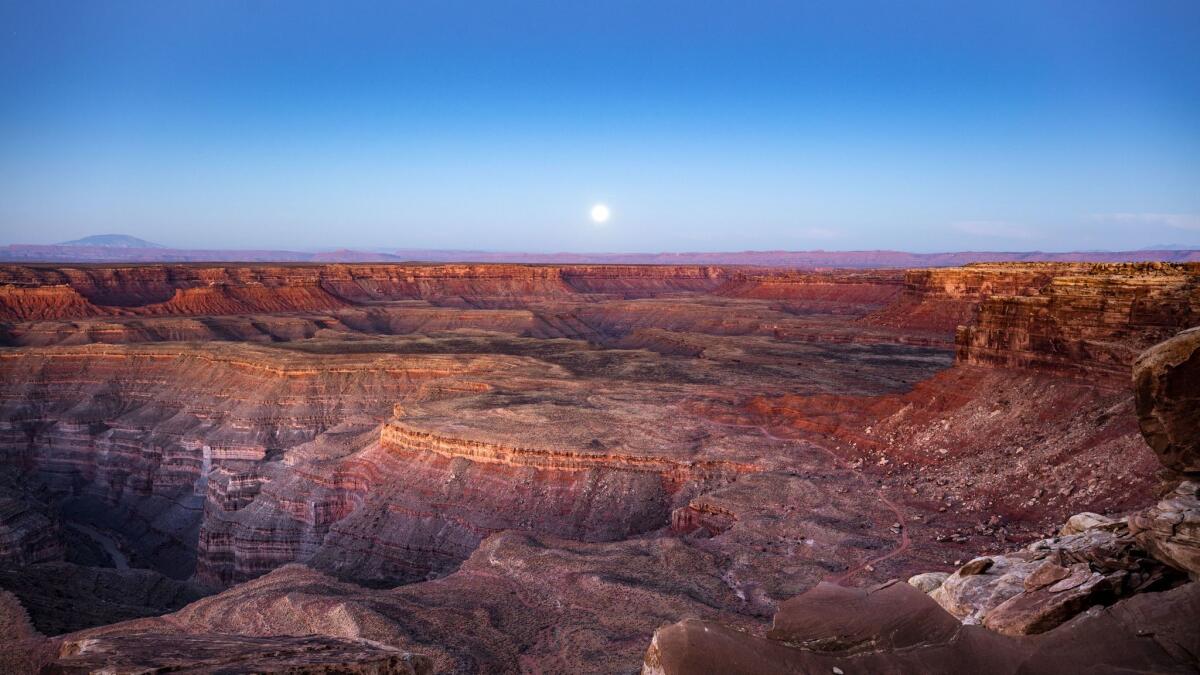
(470, 468)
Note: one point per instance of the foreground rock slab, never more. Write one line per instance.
(1154, 632)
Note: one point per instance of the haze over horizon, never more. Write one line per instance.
(932, 127)
(118, 242)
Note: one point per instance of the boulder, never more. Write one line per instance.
(1048, 605)
(976, 566)
(1082, 522)
(973, 590)
(1166, 381)
(927, 581)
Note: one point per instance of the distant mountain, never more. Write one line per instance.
(1169, 247)
(112, 241)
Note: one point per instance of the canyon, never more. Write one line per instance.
(458, 467)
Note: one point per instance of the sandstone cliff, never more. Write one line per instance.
(38, 292)
(1093, 320)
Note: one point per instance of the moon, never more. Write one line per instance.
(600, 213)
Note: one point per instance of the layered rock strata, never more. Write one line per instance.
(125, 437)
(448, 472)
(1094, 322)
(37, 292)
(942, 299)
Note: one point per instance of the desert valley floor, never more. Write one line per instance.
(504, 468)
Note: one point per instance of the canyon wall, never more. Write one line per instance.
(1091, 319)
(453, 467)
(942, 299)
(126, 434)
(43, 292)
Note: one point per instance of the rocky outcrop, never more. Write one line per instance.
(1099, 560)
(927, 582)
(1171, 529)
(1050, 581)
(1166, 383)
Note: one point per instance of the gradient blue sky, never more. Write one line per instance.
(705, 126)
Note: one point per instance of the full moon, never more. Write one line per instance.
(599, 213)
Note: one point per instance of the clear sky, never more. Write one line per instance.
(704, 126)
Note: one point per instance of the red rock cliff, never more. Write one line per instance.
(43, 292)
(1093, 319)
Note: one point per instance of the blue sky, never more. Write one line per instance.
(921, 126)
